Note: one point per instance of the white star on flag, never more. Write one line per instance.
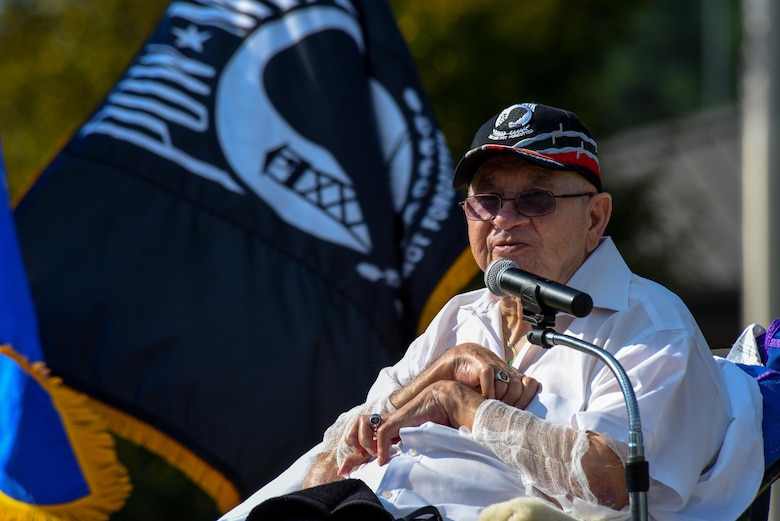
(190, 37)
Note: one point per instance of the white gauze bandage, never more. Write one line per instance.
(547, 456)
(334, 437)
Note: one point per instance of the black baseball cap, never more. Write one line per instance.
(549, 137)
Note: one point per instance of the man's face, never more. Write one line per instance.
(551, 246)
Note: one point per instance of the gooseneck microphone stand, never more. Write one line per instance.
(542, 320)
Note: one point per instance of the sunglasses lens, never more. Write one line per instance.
(482, 207)
(531, 203)
(534, 203)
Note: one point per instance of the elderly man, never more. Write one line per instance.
(475, 415)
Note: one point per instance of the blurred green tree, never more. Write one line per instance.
(474, 60)
(58, 60)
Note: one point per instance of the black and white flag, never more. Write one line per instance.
(255, 220)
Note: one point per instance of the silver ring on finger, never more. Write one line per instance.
(502, 376)
(374, 420)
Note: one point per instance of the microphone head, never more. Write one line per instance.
(493, 276)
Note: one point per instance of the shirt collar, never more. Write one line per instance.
(604, 276)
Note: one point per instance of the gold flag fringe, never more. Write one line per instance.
(107, 480)
(460, 273)
(213, 482)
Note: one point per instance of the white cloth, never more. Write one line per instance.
(695, 415)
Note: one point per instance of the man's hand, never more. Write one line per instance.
(478, 368)
(444, 402)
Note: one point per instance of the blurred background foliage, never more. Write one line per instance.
(59, 59)
(617, 64)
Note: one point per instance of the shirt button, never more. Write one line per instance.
(386, 494)
(412, 452)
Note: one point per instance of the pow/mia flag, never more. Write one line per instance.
(255, 220)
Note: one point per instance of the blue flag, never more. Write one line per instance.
(56, 458)
(257, 218)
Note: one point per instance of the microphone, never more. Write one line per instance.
(504, 278)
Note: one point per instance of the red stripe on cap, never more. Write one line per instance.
(577, 158)
(563, 158)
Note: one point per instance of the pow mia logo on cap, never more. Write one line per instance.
(513, 122)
